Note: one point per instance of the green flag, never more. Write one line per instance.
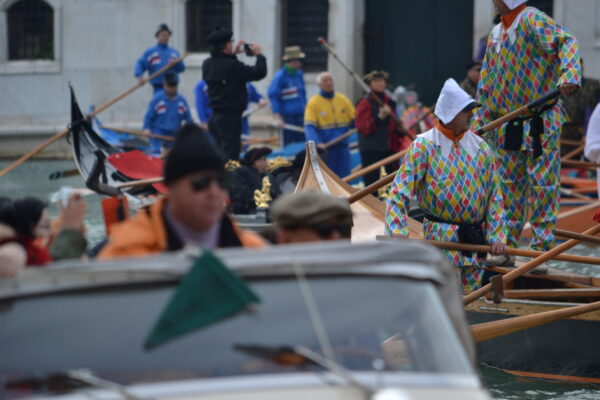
(208, 293)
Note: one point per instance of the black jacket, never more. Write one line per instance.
(226, 78)
(244, 181)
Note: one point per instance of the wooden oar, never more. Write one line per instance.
(494, 329)
(570, 142)
(360, 81)
(514, 114)
(571, 193)
(251, 141)
(577, 235)
(339, 138)
(374, 166)
(294, 128)
(141, 133)
(64, 132)
(252, 110)
(528, 266)
(63, 174)
(509, 250)
(573, 153)
(580, 164)
(551, 293)
(139, 182)
(371, 188)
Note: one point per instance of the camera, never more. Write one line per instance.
(248, 50)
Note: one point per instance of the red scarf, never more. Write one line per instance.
(449, 134)
(37, 256)
(509, 18)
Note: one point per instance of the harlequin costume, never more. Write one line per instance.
(528, 55)
(454, 181)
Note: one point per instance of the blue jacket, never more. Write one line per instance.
(165, 115)
(204, 111)
(287, 93)
(154, 59)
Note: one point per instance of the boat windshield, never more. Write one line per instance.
(372, 322)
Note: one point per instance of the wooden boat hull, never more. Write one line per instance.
(368, 212)
(563, 350)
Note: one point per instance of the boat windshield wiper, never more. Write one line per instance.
(301, 355)
(70, 380)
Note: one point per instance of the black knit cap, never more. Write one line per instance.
(162, 27)
(192, 152)
(22, 214)
(219, 36)
(256, 153)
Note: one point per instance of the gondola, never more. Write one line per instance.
(369, 212)
(104, 167)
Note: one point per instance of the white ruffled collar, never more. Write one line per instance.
(511, 32)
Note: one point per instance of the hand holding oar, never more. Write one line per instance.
(494, 329)
(64, 132)
(361, 82)
(514, 114)
(339, 138)
(528, 266)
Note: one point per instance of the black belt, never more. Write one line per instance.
(514, 131)
(470, 233)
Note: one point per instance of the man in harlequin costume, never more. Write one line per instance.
(451, 172)
(528, 55)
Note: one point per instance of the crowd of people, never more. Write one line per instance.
(472, 188)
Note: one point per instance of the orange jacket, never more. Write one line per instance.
(145, 234)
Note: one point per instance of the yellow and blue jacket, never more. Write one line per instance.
(328, 116)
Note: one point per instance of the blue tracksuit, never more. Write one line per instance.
(154, 59)
(288, 99)
(204, 111)
(164, 116)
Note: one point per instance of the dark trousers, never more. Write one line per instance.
(226, 128)
(370, 157)
(290, 136)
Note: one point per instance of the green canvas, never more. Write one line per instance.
(208, 293)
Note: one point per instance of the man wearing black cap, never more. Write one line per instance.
(248, 178)
(226, 78)
(167, 111)
(157, 57)
(193, 213)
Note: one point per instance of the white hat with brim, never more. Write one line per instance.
(293, 53)
(453, 99)
(512, 4)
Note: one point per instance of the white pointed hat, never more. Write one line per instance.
(512, 4)
(453, 99)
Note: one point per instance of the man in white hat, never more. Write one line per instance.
(528, 55)
(452, 174)
(288, 95)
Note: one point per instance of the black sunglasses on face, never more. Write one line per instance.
(326, 229)
(201, 183)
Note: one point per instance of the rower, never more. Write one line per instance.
(527, 56)
(158, 56)
(167, 111)
(451, 173)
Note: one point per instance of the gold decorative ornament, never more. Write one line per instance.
(278, 162)
(262, 197)
(232, 165)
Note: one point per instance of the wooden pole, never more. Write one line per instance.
(528, 266)
(139, 182)
(371, 188)
(570, 142)
(580, 164)
(573, 153)
(141, 133)
(515, 252)
(252, 110)
(374, 166)
(360, 81)
(339, 138)
(494, 329)
(64, 132)
(577, 235)
(570, 193)
(514, 114)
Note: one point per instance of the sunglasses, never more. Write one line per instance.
(201, 183)
(326, 229)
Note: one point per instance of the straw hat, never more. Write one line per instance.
(293, 53)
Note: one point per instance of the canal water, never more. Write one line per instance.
(31, 179)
